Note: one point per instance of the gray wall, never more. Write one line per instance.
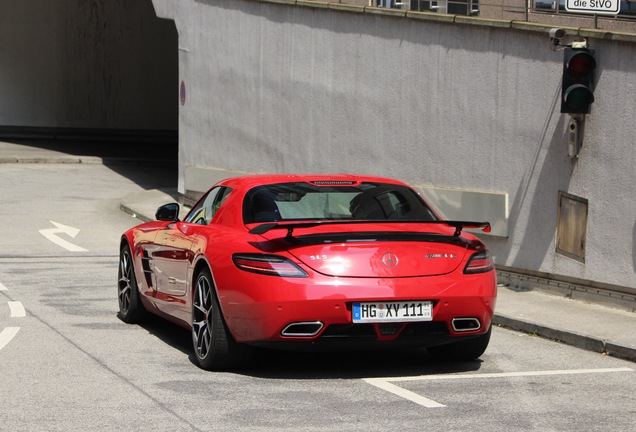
(292, 88)
(106, 64)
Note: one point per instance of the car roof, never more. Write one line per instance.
(250, 181)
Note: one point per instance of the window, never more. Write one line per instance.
(203, 212)
(628, 8)
(306, 201)
(572, 226)
(549, 5)
(389, 3)
(456, 7)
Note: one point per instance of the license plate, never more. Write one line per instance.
(379, 312)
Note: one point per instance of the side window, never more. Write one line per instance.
(203, 212)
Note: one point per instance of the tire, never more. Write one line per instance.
(131, 310)
(214, 346)
(465, 350)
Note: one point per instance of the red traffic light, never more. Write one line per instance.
(580, 64)
(578, 80)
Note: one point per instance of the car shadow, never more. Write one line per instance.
(151, 164)
(169, 333)
(275, 364)
(295, 365)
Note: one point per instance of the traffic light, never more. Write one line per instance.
(577, 92)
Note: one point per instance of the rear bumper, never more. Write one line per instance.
(259, 313)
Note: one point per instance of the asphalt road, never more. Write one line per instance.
(68, 363)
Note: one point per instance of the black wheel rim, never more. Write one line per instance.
(125, 281)
(202, 316)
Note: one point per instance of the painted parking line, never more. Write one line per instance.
(17, 310)
(7, 334)
(384, 384)
(387, 383)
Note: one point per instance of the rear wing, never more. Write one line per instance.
(290, 226)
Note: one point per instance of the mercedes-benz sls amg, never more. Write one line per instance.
(311, 262)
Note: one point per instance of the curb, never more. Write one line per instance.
(588, 343)
(94, 160)
(52, 160)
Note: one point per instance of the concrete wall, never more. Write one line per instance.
(467, 104)
(106, 64)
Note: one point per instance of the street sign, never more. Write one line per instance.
(596, 7)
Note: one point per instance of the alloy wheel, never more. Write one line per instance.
(124, 284)
(202, 314)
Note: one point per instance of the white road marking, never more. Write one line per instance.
(51, 234)
(7, 334)
(510, 374)
(406, 394)
(17, 310)
(385, 383)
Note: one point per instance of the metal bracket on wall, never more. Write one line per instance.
(576, 127)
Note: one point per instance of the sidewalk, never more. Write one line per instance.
(42, 153)
(76, 151)
(584, 325)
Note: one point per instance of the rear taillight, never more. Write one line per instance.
(273, 265)
(480, 262)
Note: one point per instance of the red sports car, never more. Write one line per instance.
(311, 262)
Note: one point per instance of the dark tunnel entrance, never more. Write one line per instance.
(94, 76)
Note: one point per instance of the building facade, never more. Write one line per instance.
(550, 12)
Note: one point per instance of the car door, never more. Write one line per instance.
(174, 249)
(171, 257)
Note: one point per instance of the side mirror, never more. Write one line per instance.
(168, 212)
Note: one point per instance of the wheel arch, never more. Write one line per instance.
(122, 242)
(125, 240)
(200, 264)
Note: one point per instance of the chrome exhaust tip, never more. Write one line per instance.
(465, 324)
(302, 329)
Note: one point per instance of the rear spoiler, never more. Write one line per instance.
(290, 226)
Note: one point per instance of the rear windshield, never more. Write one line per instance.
(305, 201)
